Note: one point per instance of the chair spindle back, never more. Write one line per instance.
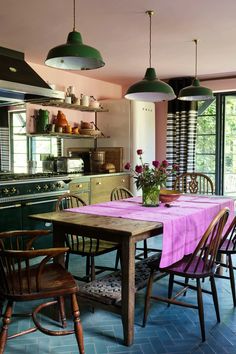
(207, 248)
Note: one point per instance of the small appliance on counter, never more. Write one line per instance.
(69, 165)
(97, 159)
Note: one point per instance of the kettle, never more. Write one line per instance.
(42, 120)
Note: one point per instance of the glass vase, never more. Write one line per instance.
(151, 196)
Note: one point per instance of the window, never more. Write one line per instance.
(24, 148)
(206, 140)
(216, 142)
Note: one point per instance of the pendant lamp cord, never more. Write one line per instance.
(73, 15)
(150, 13)
(196, 55)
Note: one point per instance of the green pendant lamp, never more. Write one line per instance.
(150, 88)
(195, 92)
(74, 55)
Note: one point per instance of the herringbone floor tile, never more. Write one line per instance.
(173, 330)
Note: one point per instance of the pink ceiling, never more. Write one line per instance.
(119, 29)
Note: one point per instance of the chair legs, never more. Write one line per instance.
(232, 281)
(200, 309)
(77, 324)
(170, 287)
(4, 330)
(215, 297)
(2, 300)
(61, 303)
(148, 297)
(174, 301)
(67, 260)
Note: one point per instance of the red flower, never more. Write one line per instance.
(138, 169)
(156, 164)
(165, 163)
(139, 151)
(176, 167)
(162, 169)
(127, 166)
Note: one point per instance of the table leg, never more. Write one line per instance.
(59, 241)
(128, 290)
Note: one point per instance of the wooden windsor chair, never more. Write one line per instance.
(196, 266)
(225, 256)
(85, 246)
(28, 274)
(194, 182)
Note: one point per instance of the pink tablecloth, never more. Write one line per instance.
(183, 223)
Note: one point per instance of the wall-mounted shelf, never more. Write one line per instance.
(62, 104)
(77, 107)
(66, 136)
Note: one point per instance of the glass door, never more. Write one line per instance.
(229, 147)
(216, 142)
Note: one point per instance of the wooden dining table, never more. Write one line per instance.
(127, 222)
(123, 231)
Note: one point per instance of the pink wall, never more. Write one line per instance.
(91, 87)
(101, 90)
(62, 79)
(220, 85)
(161, 121)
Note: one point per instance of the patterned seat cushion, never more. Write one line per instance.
(108, 288)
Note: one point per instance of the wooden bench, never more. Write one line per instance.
(107, 289)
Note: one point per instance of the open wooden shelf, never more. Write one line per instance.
(77, 107)
(66, 136)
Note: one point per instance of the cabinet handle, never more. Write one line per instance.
(123, 180)
(99, 183)
(10, 206)
(41, 202)
(80, 186)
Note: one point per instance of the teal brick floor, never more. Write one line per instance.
(168, 330)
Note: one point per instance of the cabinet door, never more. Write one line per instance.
(101, 187)
(10, 217)
(35, 207)
(82, 189)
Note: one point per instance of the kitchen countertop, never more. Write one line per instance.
(9, 178)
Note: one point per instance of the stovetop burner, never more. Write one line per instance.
(21, 176)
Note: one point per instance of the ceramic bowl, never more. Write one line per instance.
(168, 196)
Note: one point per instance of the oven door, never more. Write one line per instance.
(41, 205)
(10, 217)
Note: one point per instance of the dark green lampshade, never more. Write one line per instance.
(74, 55)
(195, 92)
(150, 89)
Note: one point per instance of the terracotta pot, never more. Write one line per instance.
(61, 119)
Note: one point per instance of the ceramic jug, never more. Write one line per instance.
(42, 120)
(61, 120)
(84, 100)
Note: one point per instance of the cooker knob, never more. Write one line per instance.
(58, 185)
(38, 187)
(53, 186)
(13, 190)
(5, 191)
(45, 187)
